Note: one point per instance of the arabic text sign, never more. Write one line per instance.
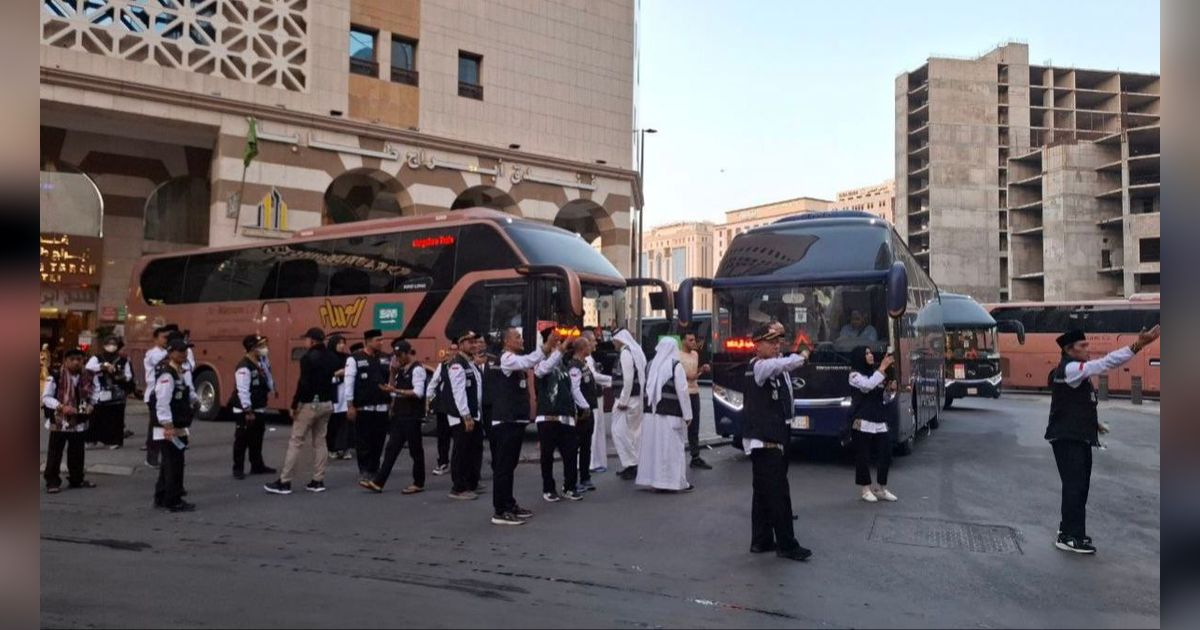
(70, 259)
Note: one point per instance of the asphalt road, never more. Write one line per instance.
(969, 544)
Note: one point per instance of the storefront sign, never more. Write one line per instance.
(112, 314)
(69, 299)
(70, 259)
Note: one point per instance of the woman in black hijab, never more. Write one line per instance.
(869, 429)
(337, 438)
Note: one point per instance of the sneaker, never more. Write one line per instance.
(572, 495)
(799, 553)
(334, 455)
(440, 470)
(237, 474)
(508, 518)
(84, 484)
(762, 548)
(279, 487)
(551, 497)
(587, 486)
(884, 495)
(869, 496)
(600, 469)
(522, 513)
(114, 447)
(53, 489)
(466, 495)
(1086, 539)
(347, 455)
(182, 506)
(315, 486)
(700, 463)
(1073, 544)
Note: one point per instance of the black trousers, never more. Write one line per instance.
(867, 445)
(556, 436)
(168, 491)
(583, 438)
(335, 437)
(506, 438)
(108, 424)
(403, 432)
(443, 440)
(771, 508)
(73, 443)
(248, 437)
(693, 429)
(370, 430)
(1074, 459)
(466, 460)
(151, 444)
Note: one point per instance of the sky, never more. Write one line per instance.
(758, 101)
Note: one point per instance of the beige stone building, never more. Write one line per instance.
(364, 109)
(738, 221)
(879, 200)
(1003, 165)
(676, 252)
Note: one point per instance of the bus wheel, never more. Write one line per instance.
(949, 401)
(906, 447)
(210, 396)
(935, 422)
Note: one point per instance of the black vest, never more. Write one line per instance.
(259, 390)
(80, 398)
(768, 408)
(554, 394)
(867, 405)
(407, 406)
(446, 391)
(115, 383)
(181, 398)
(1072, 409)
(509, 395)
(371, 373)
(587, 382)
(669, 404)
(619, 377)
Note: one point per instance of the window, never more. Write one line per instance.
(361, 265)
(678, 264)
(1148, 250)
(253, 275)
(490, 308)
(469, 84)
(160, 280)
(208, 278)
(362, 52)
(303, 270)
(485, 250)
(404, 60)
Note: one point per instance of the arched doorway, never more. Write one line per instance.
(70, 201)
(486, 197)
(177, 211)
(584, 217)
(363, 194)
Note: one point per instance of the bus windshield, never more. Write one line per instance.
(807, 249)
(969, 343)
(831, 320)
(544, 245)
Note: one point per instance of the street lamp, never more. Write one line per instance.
(637, 250)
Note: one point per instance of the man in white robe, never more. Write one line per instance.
(627, 410)
(662, 461)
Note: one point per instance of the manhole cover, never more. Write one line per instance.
(940, 534)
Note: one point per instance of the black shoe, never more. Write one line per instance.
(762, 548)
(182, 506)
(265, 470)
(799, 553)
(316, 486)
(53, 489)
(279, 487)
(572, 495)
(1086, 539)
(551, 497)
(522, 513)
(83, 484)
(238, 474)
(700, 463)
(629, 473)
(508, 518)
(1074, 545)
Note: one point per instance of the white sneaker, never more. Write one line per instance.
(884, 495)
(440, 470)
(869, 497)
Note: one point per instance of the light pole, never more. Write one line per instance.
(637, 249)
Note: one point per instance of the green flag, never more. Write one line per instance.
(251, 143)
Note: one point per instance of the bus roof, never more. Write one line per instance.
(1137, 300)
(831, 215)
(961, 311)
(839, 246)
(420, 220)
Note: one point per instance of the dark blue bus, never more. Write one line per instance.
(836, 280)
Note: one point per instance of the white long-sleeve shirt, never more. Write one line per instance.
(547, 365)
(458, 387)
(99, 394)
(164, 388)
(434, 381)
(866, 384)
(603, 380)
(348, 387)
(576, 375)
(418, 383)
(628, 374)
(1077, 371)
(153, 357)
(51, 403)
(512, 362)
(765, 369)
(241, 381)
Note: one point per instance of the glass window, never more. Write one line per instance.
(468, 68)
(303, 270)
(361, 265)
(160, 280)
(404, 53)
(426, 259)
(254, 275)
(1148, 250)
(485, 250)
(544, 245)
(806, 249)
(678, 264)
(209, 278)
(362, 43)
(490, 308)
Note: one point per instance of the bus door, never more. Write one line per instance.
(275, 323)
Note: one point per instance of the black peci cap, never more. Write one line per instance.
(74, 352)
(371, 334)
(1069, 338)
(314, 333)
(250, 342)
(177, 344)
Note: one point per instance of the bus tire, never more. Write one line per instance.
(906, 447)
(209, 391)
(935, 422)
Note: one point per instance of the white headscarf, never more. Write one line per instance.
(639, 357)
(661, 369)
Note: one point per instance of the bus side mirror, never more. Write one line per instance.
(897, 290)
(1012, 325)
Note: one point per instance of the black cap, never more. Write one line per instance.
(371, 334)
(73, 352)
(1069, 338)
(250, 342)
(465, 335)
(314, 333)
(177, 344)
(163, 329)
(401, 346)
(765, 332)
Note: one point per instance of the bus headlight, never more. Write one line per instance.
(995, 380)
(728, 397)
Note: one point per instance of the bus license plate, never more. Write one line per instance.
(972, 391)
(800, 422)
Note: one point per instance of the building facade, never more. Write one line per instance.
(959, 125)
(362, 109)
(676, 252)
(879, 200)
(741, 220)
